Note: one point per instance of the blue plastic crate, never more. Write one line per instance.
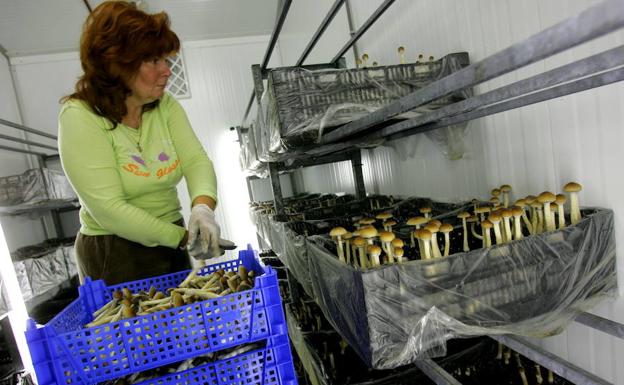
(65, 352)
(271, 365)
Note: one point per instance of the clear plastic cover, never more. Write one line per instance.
(249, 155)
(46, 272)
(299, 105)
(396, 314)
(35, 186)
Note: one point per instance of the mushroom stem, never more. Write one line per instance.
(527, 223)
(474, 232)
(466, 247)
(348, 251)
(497, 233)
(363, 260)
(340, 250)
(550, 226)
(575, 212)
(447, 244)
(426, 249)
(507, 237)
(434, 245)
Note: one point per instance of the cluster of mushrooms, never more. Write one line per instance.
(368, 247)
(194, 288)
(363, 61)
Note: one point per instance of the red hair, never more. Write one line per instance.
(116, 39)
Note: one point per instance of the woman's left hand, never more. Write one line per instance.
(204, 233)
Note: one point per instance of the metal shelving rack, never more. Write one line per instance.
(591, 72)
(54, 208)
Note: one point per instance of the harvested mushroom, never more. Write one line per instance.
(398, 253)
(401, 51)
(426, 211)
(546, 198)
(505, 190)
(386, 239)
(481, 211)
(522, 204)
(560, 201)
(337, 233)
(425, 237)
(433, 228)
(463, 215)
(374, 252)
(360, 243)
(573, 189)
(506, 214)
(486, 225)
(347, 238)
(495, 218)
(446, 228)
(517, 212)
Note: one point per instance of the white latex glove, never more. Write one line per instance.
(204, 233)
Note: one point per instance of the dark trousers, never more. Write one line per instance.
(117, 260)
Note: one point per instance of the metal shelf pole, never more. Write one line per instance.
(356, 164)
(278, 199)
(436, 373)
(321, 29)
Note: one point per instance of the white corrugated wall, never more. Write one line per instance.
(535, 148)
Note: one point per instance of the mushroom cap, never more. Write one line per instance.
(432, 227)
(383, 216)
(423, 234)
(417, 221)
(495, 217)
(401, 49)
(391, 222)
(529, 199)
(494, 201)
(474, 201)
(374, 250)
(446, 228)
(398, 252)
(536, 205)
(486, 224)
(464, 214)
(472, 218)
(506, 213)
(425, 209)
(516, 211)
(554, 206)
(505, 188)
(397, 242)
(482, 210)
(359, 241)
(365, 56)
(338, 232)
(572, 187)
(520, 203)
(560, 199)
(367, 221)
(546, 197)
(496, 192)
(437, 222)
(356, 233)
(347, 235)
(368, 232)
(386, 236)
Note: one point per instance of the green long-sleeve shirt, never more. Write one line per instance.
(126, 178)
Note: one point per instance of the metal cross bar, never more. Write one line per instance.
(584, 67)
(367, 24)
(278, 199)
(596, 21)
(584, 84)
(358, 177)
(563, 368)
(27, 129)
(2, 147)
(333, 11)
(599, 323)
(276, 31)
(436, 373)
(24, 141)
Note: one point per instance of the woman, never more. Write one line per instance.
(125, 144)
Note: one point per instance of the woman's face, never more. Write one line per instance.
(150, 82)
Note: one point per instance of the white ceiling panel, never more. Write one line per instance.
(29, 27)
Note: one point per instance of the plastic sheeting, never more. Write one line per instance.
(299, 105)
(35, 186)
(41, 268)
(248, 157)
(396, 314)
